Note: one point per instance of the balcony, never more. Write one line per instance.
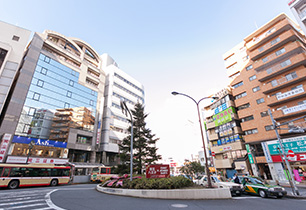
(284, 82)
(63, 113)
(273, 58)
(274, 43)
(293, 111)
(237, 145)
(224, 163)
(281, 67)
(286, 97)
(210, 125)
(247, 125)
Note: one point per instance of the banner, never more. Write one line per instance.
(224, 116)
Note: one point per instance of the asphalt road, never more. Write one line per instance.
(85, 197)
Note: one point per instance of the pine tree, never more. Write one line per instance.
(144, 143)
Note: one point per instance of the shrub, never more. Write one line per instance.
(162, 183)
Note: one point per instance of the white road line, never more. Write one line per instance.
(21, 202)
(238, 198)
(25, 206)
(49, 202)
(47, 208)
(17, 199)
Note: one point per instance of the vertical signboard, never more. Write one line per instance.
(266, 152)
(4, 145)
(247, 146)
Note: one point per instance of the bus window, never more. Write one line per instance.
(1, 169)
(103, 170)
(66, 172)
(95, 170)
(25, 172)
(6, 172)
(15, 172)
(43, 172)
(107, 170)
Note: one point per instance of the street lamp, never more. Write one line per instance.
(200, 121)
(31, 145)
(291, 180)
(125, 109)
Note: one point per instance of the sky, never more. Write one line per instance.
(167, 45)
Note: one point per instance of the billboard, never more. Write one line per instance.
(296, 144)
(157, 171)
(224, 116)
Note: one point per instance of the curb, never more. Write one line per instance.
(295, 196)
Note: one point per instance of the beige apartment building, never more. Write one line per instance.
(225, 135)
(273, 79)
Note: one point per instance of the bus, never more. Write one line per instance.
(13, 176)
(101, 173)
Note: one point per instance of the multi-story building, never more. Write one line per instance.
(13, 41)
(119, 85)
(298, 9)
(224, 134)
(273, 79)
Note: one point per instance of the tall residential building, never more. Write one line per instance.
(224, 134)
(273, 79)
(115, 124)
(298, 9)
(13, 41)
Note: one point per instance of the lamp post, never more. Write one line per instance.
(126, 110)
(291, 180)
(203, 141)
(31, 145)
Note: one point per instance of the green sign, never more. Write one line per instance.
(297, 145)
(224, 116)
(251, 158)
(247, 146)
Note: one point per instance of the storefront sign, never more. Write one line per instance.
(251, 160)
(157, 171)
(294, 109)
(40, 142)
(21, 159)
(224, 116)
(290, 93)
(4, 145)
(296, 144)
(297, 157)
(266, 152)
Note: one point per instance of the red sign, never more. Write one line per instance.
(290, 153)
(296, 157)
(172, 165)
(213, 154)
(157, 171)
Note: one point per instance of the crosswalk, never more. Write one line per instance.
(24, 200)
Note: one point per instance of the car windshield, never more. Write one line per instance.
(258, 180)
(213, 178)
(95, 170)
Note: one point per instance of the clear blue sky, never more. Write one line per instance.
(165, 44)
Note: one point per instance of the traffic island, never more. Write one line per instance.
(181, 194)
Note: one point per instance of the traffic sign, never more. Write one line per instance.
(291, 153)
(213, 154)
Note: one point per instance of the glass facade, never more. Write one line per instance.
(56, 102)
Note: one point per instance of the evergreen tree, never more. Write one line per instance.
(144, 143)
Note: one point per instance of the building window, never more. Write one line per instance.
(237, 85)
(252, 77)
(255, 89)
(91, 103)
(274, 83)
(2, 56)
(244, 106)
(47, 59)
(260, 49)
(252, 131)
(67, 105)
(40, 83)
(240, 95)
(281, 51)
(291, 76)
(249, 67)
(265, 59)
(247, 118)
(285, 63)
(43, 70)
(16, 38)
(31, 111)
(299, 86)
(69, 94)
(264, 114)
(275, 41)
(302, 102)
(269, 127)
(71, 83)
(36, 96)
(261, 100)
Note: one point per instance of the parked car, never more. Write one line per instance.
(257, 186)
(236, 189)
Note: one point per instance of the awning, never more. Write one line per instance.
(85, 165)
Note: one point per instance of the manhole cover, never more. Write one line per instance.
(179, 205)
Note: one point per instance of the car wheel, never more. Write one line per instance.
(13, 184)
(262, 193)
(53, 182)
(238, 194)
(279, 196)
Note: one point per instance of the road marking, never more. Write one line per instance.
(21, 202)
(50, 203)
(238, 198)
(47, 208)
(179, 205)
(25, 206)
